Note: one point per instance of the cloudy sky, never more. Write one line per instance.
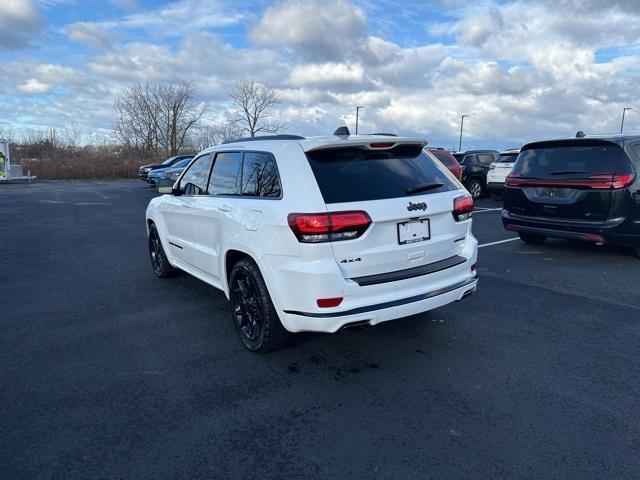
(523, 70)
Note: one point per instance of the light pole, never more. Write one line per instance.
(462, 117)
(357, 115)
(623, 112)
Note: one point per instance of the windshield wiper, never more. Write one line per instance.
(423, 187)
(566, 172)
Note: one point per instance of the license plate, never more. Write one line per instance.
(552, 192)
(414, 231)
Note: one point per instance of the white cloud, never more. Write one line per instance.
(327, 74)
(20, 23)
(91, 34)
(312, 29)
(33, 85)
(523, 70)
(181, 17)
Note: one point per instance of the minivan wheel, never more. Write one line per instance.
(533, 239)
(254, 315)
(475, 188)
(638, 252)
(161, 266)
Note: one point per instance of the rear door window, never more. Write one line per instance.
(354, 174)
(225, 176)
(260, 175)
(574, 161)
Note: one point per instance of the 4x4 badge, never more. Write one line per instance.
(416, 206)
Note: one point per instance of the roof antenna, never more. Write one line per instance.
(580, 134)
(342, 132)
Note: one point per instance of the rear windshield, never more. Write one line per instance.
(568, 161)
(445, 158)
(507, 157)
(355, 175)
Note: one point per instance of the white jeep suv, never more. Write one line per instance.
(316, 234)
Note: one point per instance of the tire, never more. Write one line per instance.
(495, 196)
(252, 310)
(475, 188)
(161, 266)
(638, 252)
(532, 239)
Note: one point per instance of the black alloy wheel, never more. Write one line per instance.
(254, 315)
(247, 308)
(161, 266)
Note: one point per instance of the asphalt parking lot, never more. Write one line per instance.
(108, 372)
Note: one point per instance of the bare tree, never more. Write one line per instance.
(156, 118)
(253, 107)
(70, 136)
(208, 135)
(179, 112)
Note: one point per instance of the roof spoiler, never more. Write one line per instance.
(382, 143)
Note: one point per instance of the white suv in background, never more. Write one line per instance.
(498, 172)
(316, 234)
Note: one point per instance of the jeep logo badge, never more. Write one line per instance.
(416, 206)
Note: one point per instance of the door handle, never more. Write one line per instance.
(225, 208)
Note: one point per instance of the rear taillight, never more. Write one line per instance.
(615, 180)
(462, 207)
(328, 227)
(600, 181)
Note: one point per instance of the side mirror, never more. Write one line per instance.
(165, 186)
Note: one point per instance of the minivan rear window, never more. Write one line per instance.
(355, 175)
(572, 161)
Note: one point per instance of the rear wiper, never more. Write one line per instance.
(566, 172)
(423, 187)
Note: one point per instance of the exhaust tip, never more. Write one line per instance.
(359, 325)
(466, 294)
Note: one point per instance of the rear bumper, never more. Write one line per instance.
(610, 231)
(295, 289)
(495, 187)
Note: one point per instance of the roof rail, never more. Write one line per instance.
(385, 134)
(262, 138)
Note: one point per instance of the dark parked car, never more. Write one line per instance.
(476, 165)
(584, 188)
(154, 175)
(144, 170)
(448, 160)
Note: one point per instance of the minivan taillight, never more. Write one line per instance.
(462, 207)
(599, 181)
(328, 227)
(608, 180)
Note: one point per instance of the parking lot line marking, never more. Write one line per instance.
(498, 242)
(482, 209)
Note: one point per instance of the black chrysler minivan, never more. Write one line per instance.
(583, 188)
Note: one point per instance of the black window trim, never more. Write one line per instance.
(240, 196)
